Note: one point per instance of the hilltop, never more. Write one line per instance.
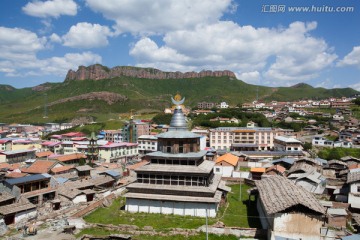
(141, 89)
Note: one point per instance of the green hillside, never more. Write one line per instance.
(27, 105)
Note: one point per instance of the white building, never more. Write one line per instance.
(147, 143)
(353, 179)
(223, 105)
(282, 143)
(322, 142)
(243, 138)
(112, 152)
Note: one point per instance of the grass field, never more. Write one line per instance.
(236, 214)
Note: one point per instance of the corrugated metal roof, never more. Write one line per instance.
(29, 178)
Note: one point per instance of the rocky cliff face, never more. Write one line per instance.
(98, 72)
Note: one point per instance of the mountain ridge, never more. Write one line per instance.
(99, 72)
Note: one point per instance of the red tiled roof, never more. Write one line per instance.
(43, 154)
(11, 167)
(15, 175)
(137, 165)
(73, 134)
(278, 168)
(40, 166)
(69, 157)
(62, 169)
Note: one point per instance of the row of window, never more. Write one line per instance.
(173, 180)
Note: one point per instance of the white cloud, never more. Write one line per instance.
(249, 77)
(352, 59)
(60, 65)
(160, 16)
(86, 35)
(51, 8)
(355, 86)
(19, 50)
(282, 55)
(55, 38)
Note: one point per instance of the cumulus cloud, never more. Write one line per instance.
(352, 59)
(249, 77)
(276, 55)
(19, 50)
(159, 16)
(356, 86)
(51, 8)
(86, 35)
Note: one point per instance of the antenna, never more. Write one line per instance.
(45, 106)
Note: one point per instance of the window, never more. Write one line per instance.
(217, 169)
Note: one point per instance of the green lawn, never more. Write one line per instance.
(237, 214)
(113, 215)
(240, 213)
(200, 236)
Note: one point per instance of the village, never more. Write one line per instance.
(170, 169)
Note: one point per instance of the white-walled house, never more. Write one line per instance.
(282, 143)
(113, 152)
(226, 165)
(353, 179)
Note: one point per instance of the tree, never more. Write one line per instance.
(357, 101)
(307, 146)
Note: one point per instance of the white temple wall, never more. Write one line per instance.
(169, 207)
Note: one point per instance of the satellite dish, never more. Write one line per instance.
(177, 102)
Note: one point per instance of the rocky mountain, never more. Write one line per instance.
(98, 72)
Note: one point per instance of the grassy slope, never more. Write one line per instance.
(26, 105)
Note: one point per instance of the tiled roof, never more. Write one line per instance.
(277, 168)
(62, 169)
(353, 177)
(40, 166)
(4, 196)
(137, 165)
(15, 208)
(43, 154)
(229, 158)
(15, 175)
(69, 157)
(10, 166)
(279, 194)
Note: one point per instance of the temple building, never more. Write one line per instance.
(178, 179)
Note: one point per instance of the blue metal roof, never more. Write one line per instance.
(113, 173)
(30, 178)
(351, 237)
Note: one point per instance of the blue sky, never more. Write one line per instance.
(266, 42)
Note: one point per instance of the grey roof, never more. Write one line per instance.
(16, 207)
(301, 167)
(286, 160)
(279, 194)
(273, 153)
(244, 145)
(4, 196)
(205, 167)
(84, 168)
(353, 177)
(334, 161)
(178, 134)
(195, 155)
(337, 211)
(29, 178)
(176, 198)
(348, 158)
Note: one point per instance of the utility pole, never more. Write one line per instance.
(207, 234)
